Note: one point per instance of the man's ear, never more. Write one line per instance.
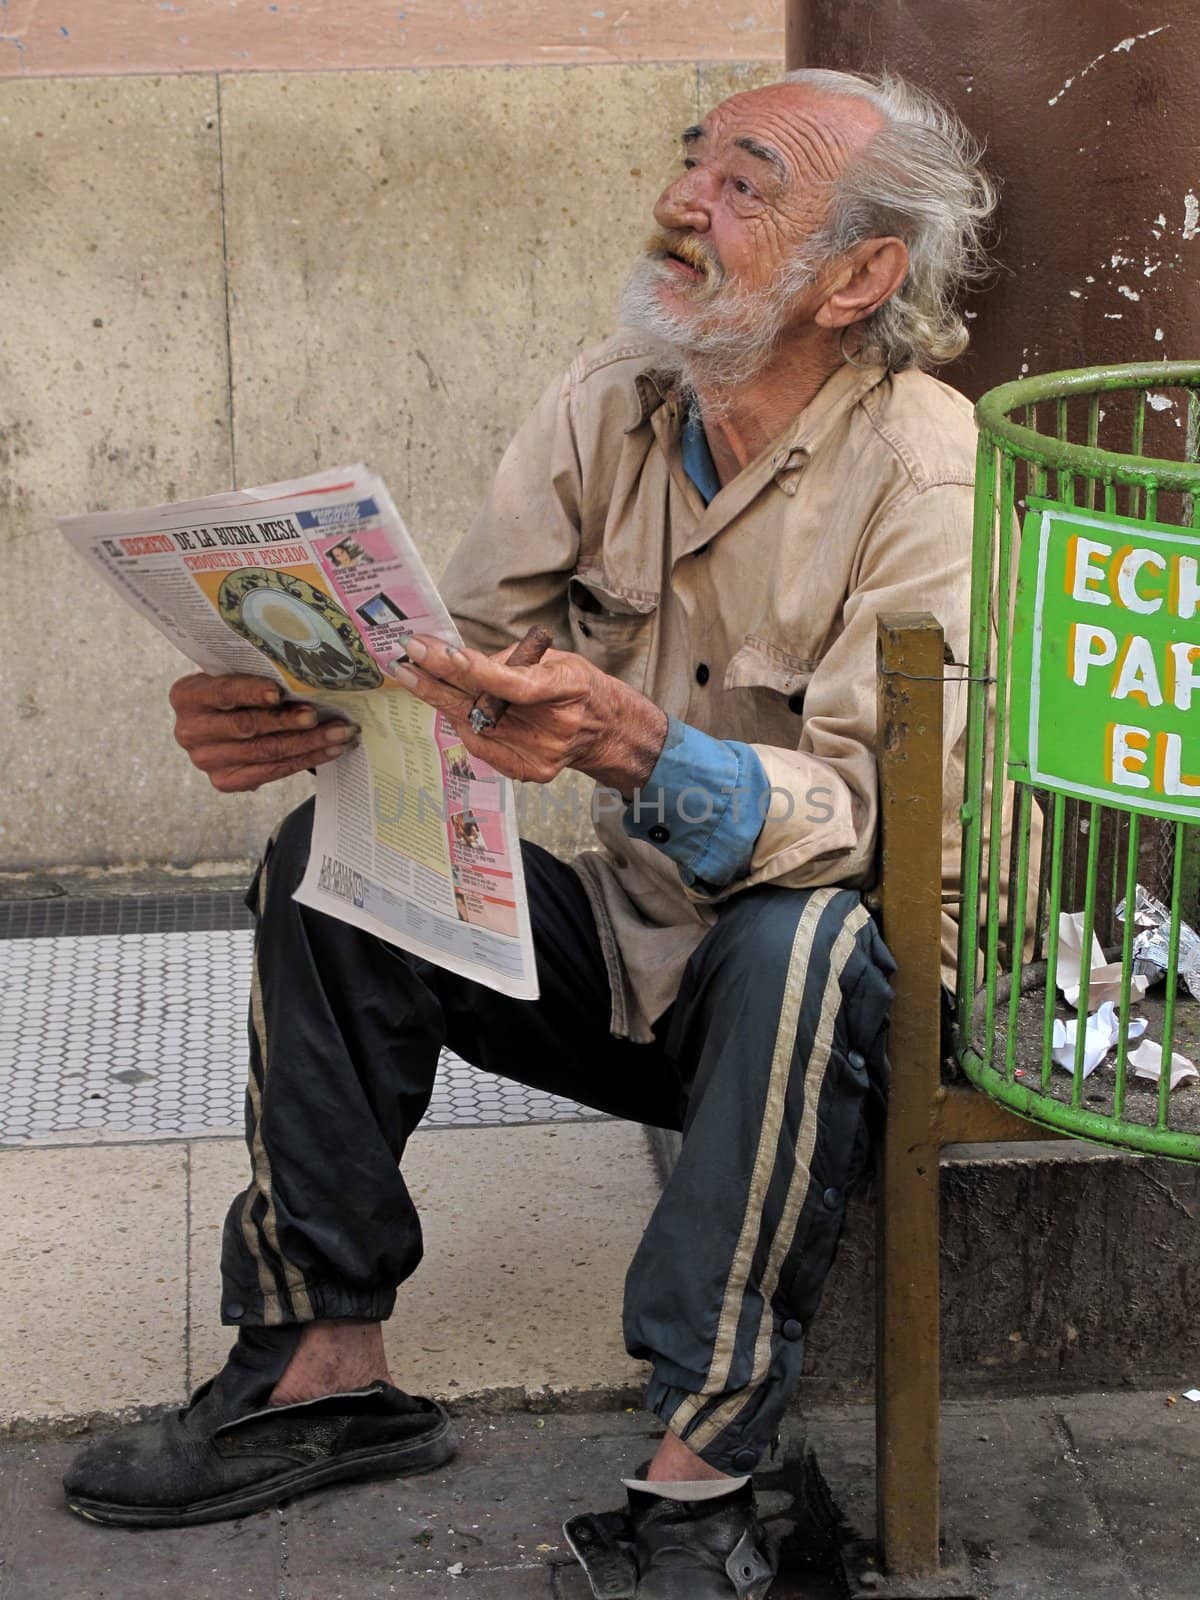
(870, 274)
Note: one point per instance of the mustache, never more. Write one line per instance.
(687, 247)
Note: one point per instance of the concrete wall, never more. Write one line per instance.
(210, 279)
(93, 36)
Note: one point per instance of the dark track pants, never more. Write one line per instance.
(771, 1061)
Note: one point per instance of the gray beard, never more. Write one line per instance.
(726, 341)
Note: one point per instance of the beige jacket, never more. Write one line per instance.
(593, 529)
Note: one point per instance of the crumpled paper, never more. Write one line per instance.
(1152, 921)
(1146, 1062)
(1101, 1034)
(1102, 1029)
(1104, 978)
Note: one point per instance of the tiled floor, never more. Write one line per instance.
(122, 1051)
(127, 1035)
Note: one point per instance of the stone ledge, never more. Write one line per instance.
(1065, 1266)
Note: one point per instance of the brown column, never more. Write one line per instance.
(1089, 113)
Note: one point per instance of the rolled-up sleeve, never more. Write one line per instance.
(703, 805)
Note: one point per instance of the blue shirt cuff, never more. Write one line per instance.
(703, 805)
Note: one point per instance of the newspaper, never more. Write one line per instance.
(315, 583)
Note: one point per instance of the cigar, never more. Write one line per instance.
(489, 708)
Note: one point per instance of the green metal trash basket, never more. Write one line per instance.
(1085, 640)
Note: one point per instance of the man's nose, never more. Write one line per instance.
(686, 203)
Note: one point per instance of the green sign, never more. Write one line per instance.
(1106, 660)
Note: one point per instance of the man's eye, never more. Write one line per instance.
(742, 186)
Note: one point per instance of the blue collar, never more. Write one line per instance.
(697, 457)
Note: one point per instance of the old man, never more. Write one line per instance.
(708, 513)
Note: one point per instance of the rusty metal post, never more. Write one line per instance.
(908, 1350)
(795, 33)
(909, 1562)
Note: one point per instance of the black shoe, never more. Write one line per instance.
(675, 1549)
(229, 1453)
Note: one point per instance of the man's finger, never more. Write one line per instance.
(272, 748)
(473, 672)
(202, 691)
(448, 663)
(443, 696)
(214, 727)
(240, 780)
(529, 762)
(523, 686)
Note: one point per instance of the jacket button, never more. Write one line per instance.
(234, 1309)
(746, 1460)
(792, 1329)
(658, 834)
(702, 674)
(830, 1198)
(856, 1060)
(796, 701)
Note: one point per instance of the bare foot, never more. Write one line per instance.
(330, 1358)
(676, 1462)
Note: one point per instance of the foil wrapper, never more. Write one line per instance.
(1151, 942)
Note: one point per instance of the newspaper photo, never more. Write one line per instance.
(316, 583)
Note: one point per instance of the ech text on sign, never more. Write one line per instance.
(1106, 670)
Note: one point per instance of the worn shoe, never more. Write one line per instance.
(675, 1549)
(229, 1453)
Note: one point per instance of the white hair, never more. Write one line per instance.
(920, 179)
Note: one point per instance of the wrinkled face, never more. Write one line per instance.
(729, 267)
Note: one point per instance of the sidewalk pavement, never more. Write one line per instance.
(1085, 1498)
(109, 1253)
(108, 1261)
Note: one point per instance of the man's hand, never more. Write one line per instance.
(563, 712)
(241, 732)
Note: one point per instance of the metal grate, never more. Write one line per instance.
(141, 913)
(127, 1035)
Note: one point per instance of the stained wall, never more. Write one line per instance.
(1088, 115)
(210, 277)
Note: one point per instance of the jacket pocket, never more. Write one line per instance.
(768, 685)
(611, 625)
